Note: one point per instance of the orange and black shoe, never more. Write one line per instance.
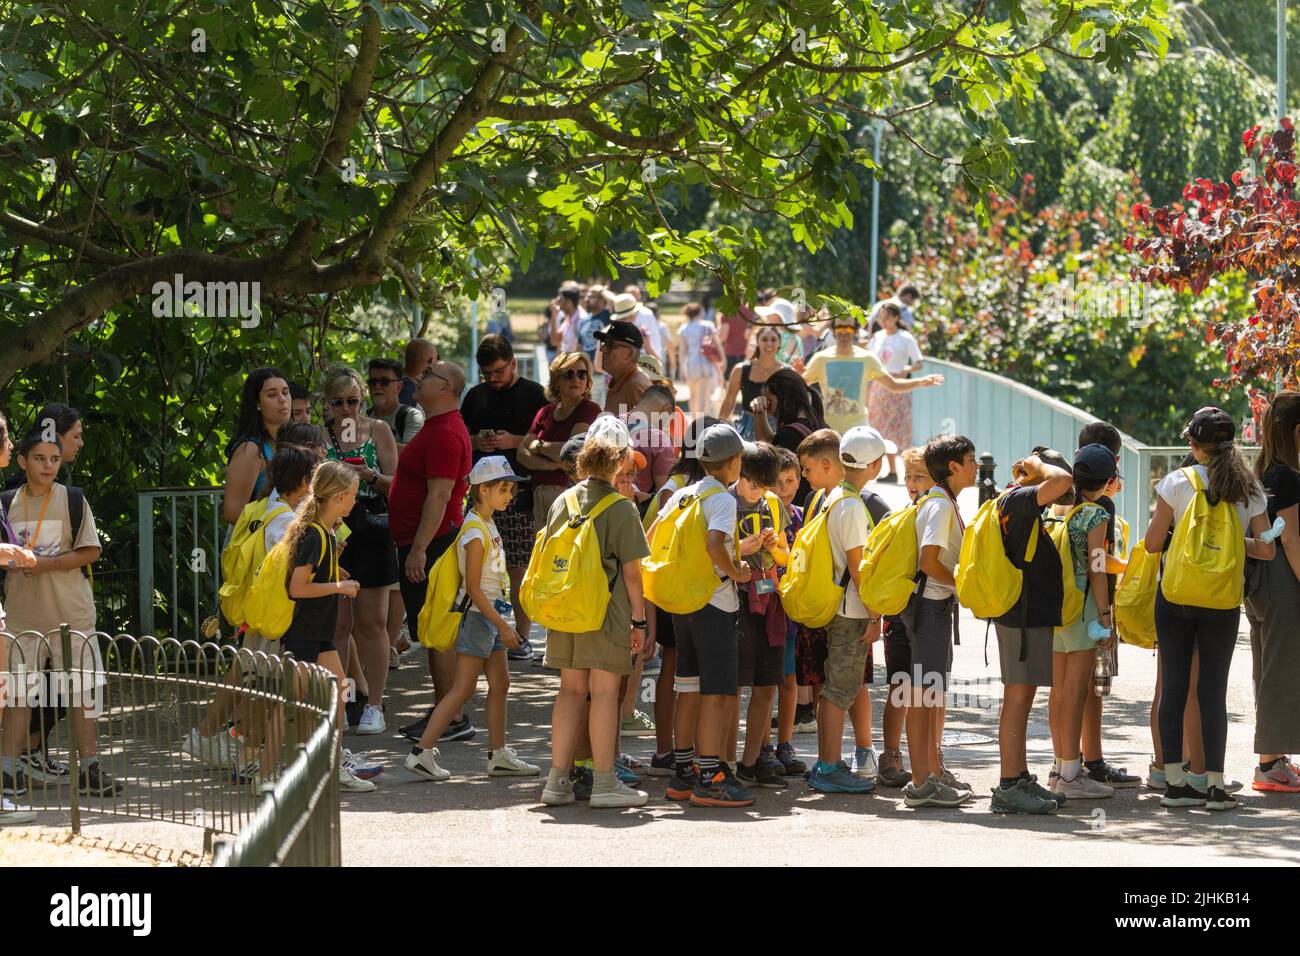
(681, 787)
(721, 790)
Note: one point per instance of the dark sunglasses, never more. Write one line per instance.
(381, 382)
(571, 373)
(340, 402)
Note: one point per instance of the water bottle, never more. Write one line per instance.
(1102, 672)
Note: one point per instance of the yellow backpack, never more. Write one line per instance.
(268, 609)
(243, 555)
(988, 582)
(565, 588)
(810, 594)
(1135, 598)
(1072, 606)
(675, 483)
(888, 573)
(678, 575)
(1206, 560)
(439, 620)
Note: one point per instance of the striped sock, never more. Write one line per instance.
(708, 767)
(683, 759)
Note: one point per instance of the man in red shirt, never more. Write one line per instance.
(424, 510)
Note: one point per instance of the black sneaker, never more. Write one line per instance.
(790, 762)
(14, 784)
(1219, 799)
(416, 730)
(680, 786)
(95, 782)
(582, 779)
(40, 767)
(458, 730)
(522, 653)
(759, 775)
(720, 790)
(1182, 795)
(1118, 777)
(353, 709)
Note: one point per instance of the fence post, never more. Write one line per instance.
(144, 522)
(74, 759)
(987, 485)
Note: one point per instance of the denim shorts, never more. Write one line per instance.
(478, 636)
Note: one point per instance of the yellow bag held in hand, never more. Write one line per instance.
(565, 588)
(988, 582)
(243, 555)
(444, 605)
(1206, 561)
(810, 594)
(268, 609)
(1135, 598)
(888, 574)
(678, 575)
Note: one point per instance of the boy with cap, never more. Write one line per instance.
(620, 346)
(1025, 632)
(851, 631)
(707, 641)
(844, 371)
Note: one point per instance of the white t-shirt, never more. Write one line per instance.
(649, 325)
(938, 524)
(494, 582)
(720, 515)
(896, 352)
(1177, 491)
(275, 529)
(569, 331)
(904, 322)
(848, 526)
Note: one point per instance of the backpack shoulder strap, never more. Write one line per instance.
(76, 510)
(1193, 478)
(403, 411)
(603, 504)
(774, 509)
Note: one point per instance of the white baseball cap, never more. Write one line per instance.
(611, 428)
(493, 468)
(862, 445)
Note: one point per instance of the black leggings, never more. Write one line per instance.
(1183, 629)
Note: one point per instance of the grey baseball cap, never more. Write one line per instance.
(719, 442)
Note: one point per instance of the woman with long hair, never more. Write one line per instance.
(569, 413)
(264, 408)
(700, 357)
(366, 447)
(747, 377)
(797, 409)
(1184, 629)
(1273, 603)
(890, 412)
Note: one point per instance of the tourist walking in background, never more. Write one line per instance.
(890, 412)
(700, 358)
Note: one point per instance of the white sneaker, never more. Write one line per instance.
(1082, 787)
(352, 783)
(215, 751)
(561, 795)
(621, 796)
(426, 765)
(372, 721)
(11, 813)
(865, 762)
(506, 763)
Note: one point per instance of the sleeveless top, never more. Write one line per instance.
(366, 451)
(265, 451)
(749, 389)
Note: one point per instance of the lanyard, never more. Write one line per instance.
(31, 542)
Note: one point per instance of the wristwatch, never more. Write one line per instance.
(374, 476)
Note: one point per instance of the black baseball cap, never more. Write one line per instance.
(1210, 426)
(1094, 463)
(624, 332)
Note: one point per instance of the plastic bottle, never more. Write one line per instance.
(1102, 671)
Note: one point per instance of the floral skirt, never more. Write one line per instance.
(890, 413)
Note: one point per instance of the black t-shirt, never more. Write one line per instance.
(314, 618)
(789, 436)
(509, 410)
(877, 506)
(1021, 515)
(1282, 486)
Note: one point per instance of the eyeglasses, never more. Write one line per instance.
(489, 374)
(340, 402)
(381, 382)
(571, 373)
(430, 373)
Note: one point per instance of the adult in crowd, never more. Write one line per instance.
(420, 354)
(700, 358)
(677, 420)
(426, 509)
(843, 372)
(890, 412)
(384, 379)
(735, 328)
(565, 317)
(907, 297)
(620, 347)
(568, 413)
(645, 319)
(300, 402)
(499, 413)
(780, 312)
(597, 305)
(264, 407)
(797, 411)
(366, 445)
(746, 379)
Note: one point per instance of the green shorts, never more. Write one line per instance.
(1068, 640)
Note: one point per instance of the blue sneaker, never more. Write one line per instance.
(661, 766)
(625, 773)
(838, 778)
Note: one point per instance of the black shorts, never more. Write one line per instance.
(516, 528)
(413, 592)
(308, 650)
(898, 650)
(810, 657)
(707, 652)
(665, 632)
(369, 556)
(760, 664)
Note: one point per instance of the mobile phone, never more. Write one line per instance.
(354, 461)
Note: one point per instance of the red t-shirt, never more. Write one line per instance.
(547, 429)
(737, 326)
(440, 449)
